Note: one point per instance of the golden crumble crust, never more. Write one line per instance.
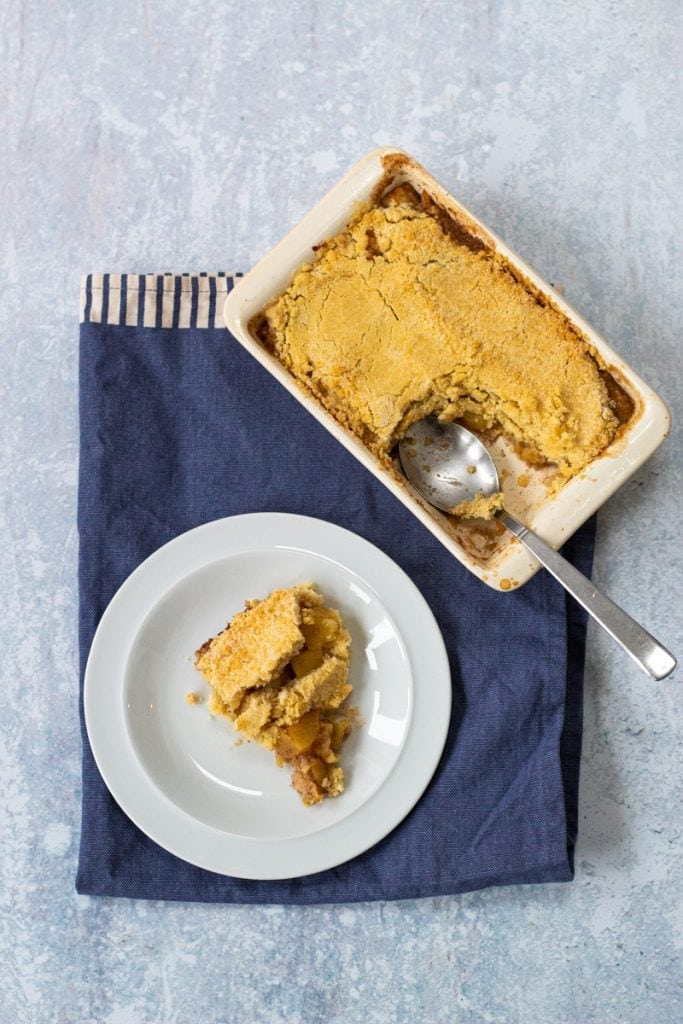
(279, 671)
(402, 315)
(254, 647)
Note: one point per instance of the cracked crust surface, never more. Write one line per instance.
(399, 317)
(279, 671)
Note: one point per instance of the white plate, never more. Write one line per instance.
(180, 775)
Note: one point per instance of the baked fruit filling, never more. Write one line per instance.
(279, 671)
(407, 314)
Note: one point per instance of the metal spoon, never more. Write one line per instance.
(449, 464)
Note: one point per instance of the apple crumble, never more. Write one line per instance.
(407, 314)
(279, 671)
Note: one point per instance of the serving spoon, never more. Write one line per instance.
(448, 464)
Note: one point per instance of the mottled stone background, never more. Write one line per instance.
(184, 136)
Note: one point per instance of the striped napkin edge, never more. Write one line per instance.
(155, 300)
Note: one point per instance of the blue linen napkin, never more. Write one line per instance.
(179, 426)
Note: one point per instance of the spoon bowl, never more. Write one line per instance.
(447, 463)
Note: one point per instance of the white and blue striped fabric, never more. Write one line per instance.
(155, 300)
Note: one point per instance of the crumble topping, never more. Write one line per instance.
(405, 314)
(279, 672)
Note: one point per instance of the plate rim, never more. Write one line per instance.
(211, 848)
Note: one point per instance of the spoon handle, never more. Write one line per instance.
(636, 641)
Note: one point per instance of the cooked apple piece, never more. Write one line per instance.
(306, 662)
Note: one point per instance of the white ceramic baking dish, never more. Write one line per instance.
(494, 556)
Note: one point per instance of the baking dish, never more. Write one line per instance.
(483, 547)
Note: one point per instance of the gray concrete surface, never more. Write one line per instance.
(190, 136)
